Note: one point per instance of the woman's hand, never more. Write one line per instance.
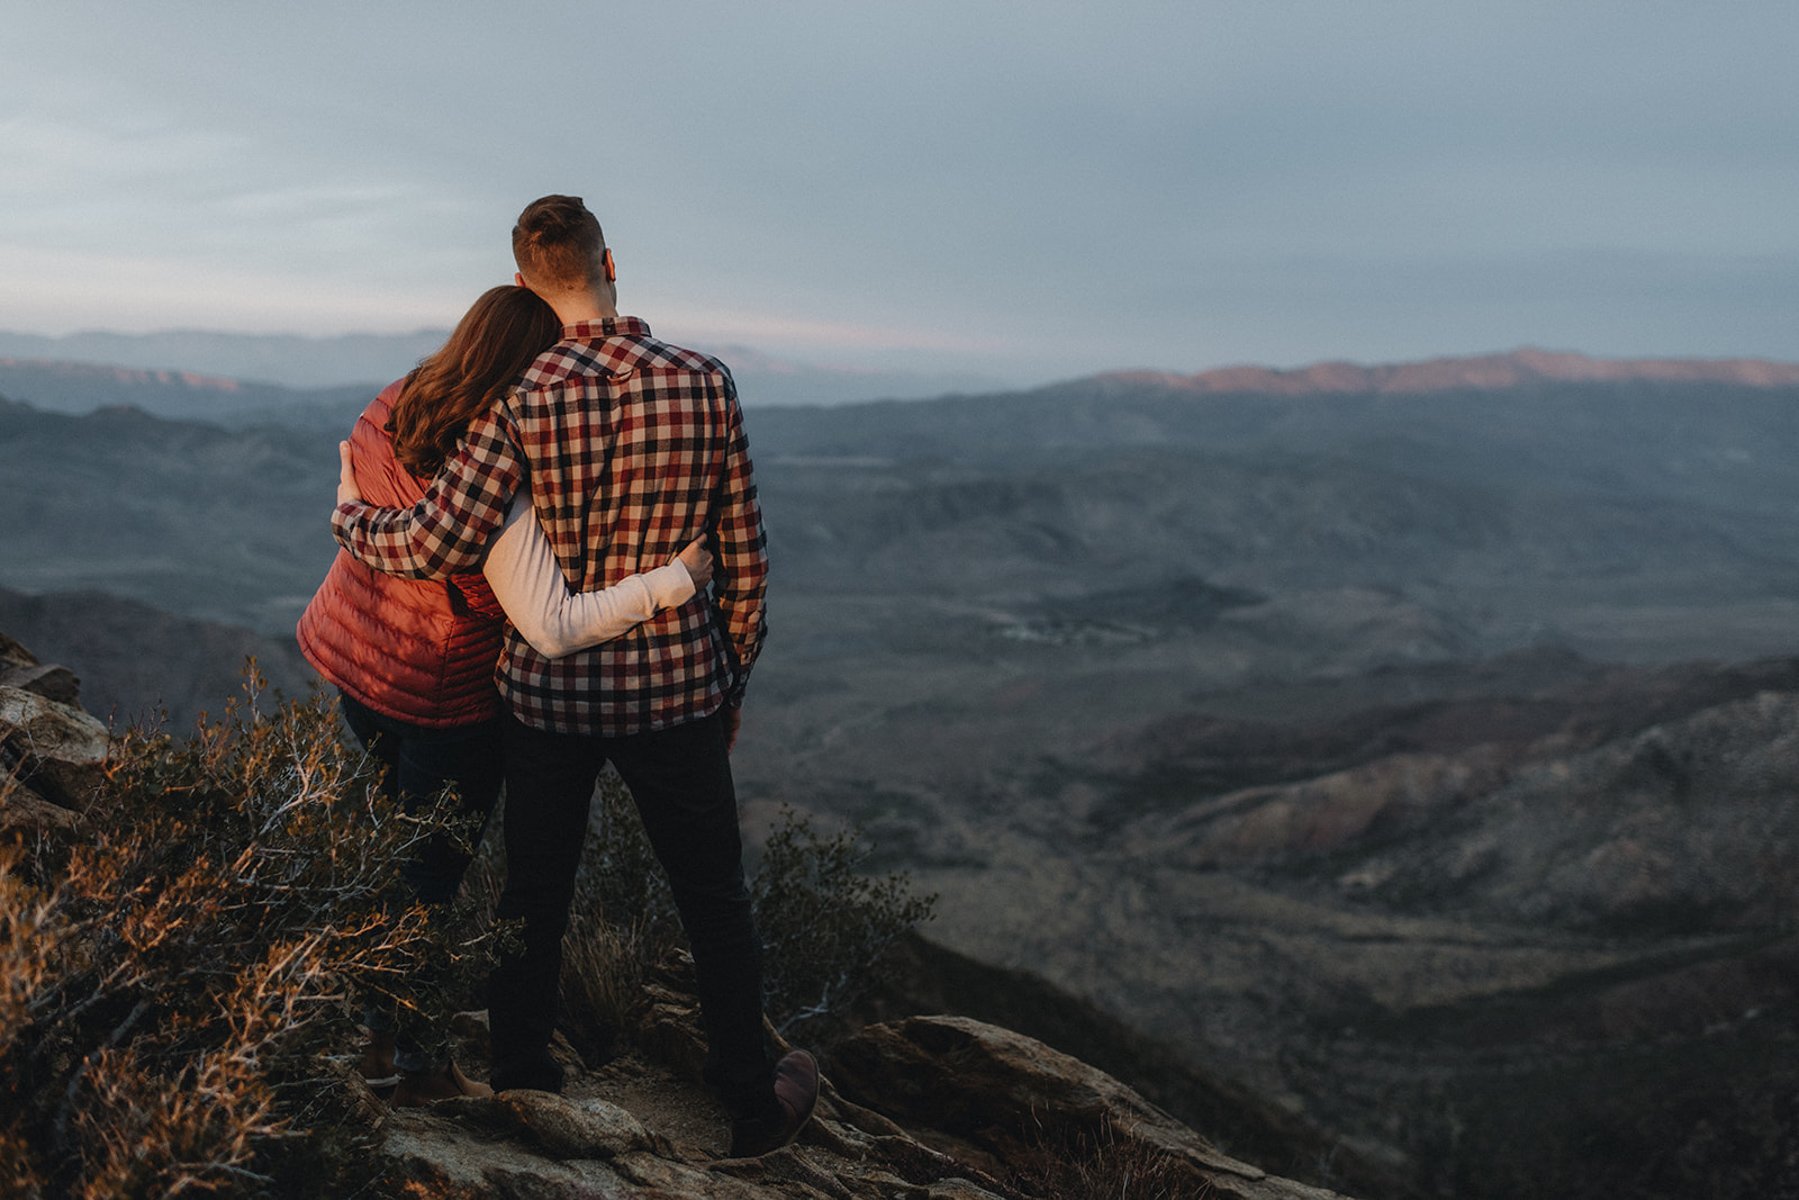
(346, 477)
(698, 561)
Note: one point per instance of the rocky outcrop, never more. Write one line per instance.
(930, 1108)
(941, 1108)
(50, 750)
(991, 1088)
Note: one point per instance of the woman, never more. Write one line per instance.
(413, 659)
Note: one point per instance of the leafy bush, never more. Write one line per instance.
(824, 926)
(170, 978)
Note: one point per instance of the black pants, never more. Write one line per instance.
(421, 761)
(680, 779)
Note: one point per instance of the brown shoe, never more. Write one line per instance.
(419, 1088)
(796, 1094)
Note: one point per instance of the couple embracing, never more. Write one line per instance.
(558, 491)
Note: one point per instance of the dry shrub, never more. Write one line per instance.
(1100, 1165)
(171, 983)
(622, 921)
(168, 985)
(824, 926)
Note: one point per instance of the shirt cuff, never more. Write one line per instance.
(341, 516)
(670, 586)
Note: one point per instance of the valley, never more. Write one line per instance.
(1420, 762)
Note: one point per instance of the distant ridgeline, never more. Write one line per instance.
(1468, 474)
(235, 378)
(238, 378)
(69, 387)
(1486, 372)
(289, 359)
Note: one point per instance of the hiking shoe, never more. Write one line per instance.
(796, 1093)
(419, 1088)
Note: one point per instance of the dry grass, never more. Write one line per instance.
(168, 984)
(621, 922)
(1101, 1165)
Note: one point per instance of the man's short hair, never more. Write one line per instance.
(557, 241)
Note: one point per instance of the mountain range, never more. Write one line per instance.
(1413, 757)
(1484, 372)
(77, 388)
(285, 379)
(241, 377)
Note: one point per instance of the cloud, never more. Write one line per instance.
(74, 290)
(1202, 183)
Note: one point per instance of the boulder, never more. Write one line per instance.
(560, 1127)
(23, 809)
(19, 668)
(14, 655)
(49, 680)
(50, 750)
(1005, 1092)
(947, 1107)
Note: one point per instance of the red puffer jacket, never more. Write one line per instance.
(415, 649)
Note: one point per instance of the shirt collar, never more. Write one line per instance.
(605, 327)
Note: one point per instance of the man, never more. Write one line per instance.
(631, 448)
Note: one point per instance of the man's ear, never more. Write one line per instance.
(610, 266)
(519, 279)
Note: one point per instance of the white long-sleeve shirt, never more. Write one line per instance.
(527, 581)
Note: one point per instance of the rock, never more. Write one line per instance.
(22, 808)
(957, 1188)
(430, 1156)
(999, 1089)
(535, 1146)
(14, 655)
(792, 1172)
(662, 1178)
(563, 1128)
(973, 1091)
(20, 668)
(48, 680)
(49, 751)
(668, 1018)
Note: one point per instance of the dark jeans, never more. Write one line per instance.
(680, 780)
(421, 762)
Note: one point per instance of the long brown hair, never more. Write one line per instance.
(497, 338)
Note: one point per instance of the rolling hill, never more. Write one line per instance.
(1345, 736)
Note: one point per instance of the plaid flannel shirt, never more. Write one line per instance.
(632, 448)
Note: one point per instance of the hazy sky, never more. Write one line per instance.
(1028, 190)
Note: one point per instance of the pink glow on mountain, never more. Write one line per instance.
(1487, 372)
(125, 375)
